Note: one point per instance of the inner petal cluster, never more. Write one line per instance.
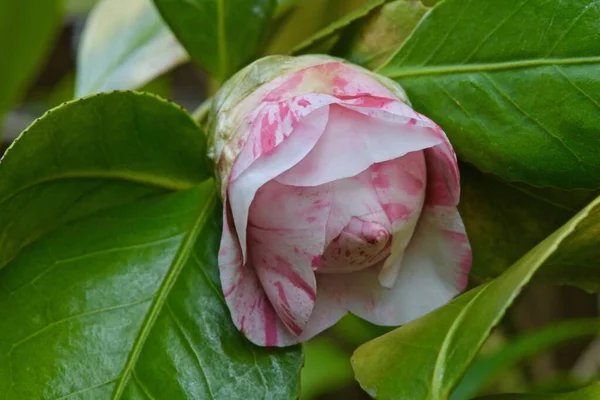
(363, 243)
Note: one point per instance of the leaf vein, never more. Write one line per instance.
(86, 389)
(535, 121)
(447, 35)
(465, 111)
(579, 89)
(70, 318)
(209, 281)
(142, 387)
(188, 341)
(493, 31)
(46, 271)
(568, 30)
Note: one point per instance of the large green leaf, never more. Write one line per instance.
(125, 44)
(485, 368)
(514, 83)
(221, 36)
(504, 221)
(115, 293)
(27, 28)
(440, 346)
(591, 392)
(91, 154)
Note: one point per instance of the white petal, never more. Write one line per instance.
(352, 142)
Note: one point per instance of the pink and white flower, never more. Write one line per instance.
(338, 197)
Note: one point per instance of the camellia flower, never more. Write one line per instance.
(338, 197)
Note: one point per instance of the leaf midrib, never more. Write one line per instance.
(437, 379)
(180, 259)
(398, 72)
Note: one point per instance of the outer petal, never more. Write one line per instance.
(286, 238)
(241, 192)
(433, 271)
(443, 177)
(251, 310)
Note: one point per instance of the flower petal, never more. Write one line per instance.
(241, 192)
(352, 142)
(443, 176)
(434, 269)
(251, 310)
(286, 239)
(400, 186)
(443, 182)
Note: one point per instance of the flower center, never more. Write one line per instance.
(360, 245)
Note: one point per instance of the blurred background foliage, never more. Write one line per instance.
(547, 340)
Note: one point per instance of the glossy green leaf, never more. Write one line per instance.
(485, 368)
(125, 44)
(91, 154)
(335, 27)
(504, 221)
(591, 392)
(440, 345)
(221, 36)
(379, 36)
(115, 291)
(514, 83)
(27, 29)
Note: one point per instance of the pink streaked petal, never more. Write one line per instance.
(400, 186)
(443, 176)
(434, 269)
(251, 310)
(286, 234)
(272, 123)
(443, 182)
(351, 143)
(241, 192)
